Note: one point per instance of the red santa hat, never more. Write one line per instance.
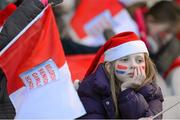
(120, 45)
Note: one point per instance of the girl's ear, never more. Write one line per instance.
(108, 66)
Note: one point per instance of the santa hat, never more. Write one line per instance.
(120, 45)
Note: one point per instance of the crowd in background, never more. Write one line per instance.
(156, 22)
(84, 28)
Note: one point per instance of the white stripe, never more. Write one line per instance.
(1, 28)
(125, 49)
(23, 31)
(57, 100)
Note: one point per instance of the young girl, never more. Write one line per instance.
(123, 86)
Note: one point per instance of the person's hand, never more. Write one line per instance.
(137, 80)
(139, 74)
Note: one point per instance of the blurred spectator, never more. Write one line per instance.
(161, 24)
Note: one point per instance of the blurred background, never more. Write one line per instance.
(85, 25)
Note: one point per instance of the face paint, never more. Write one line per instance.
(121, 69)
(143, 67)
(125, 66)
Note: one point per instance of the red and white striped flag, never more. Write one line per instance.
(38, 78)
(92, 17)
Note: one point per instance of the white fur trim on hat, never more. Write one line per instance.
(125, 49)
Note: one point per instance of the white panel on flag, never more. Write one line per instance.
(40, 75)
(97, 25)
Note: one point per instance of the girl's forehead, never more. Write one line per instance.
(134, 55)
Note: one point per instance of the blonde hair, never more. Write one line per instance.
(115, 84)
(150, 70)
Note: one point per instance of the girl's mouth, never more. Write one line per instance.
(131, 75)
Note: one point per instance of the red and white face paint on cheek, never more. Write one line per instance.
(121, 69)
(139, 74)
(138, 70)
(143, 68)
(121, 72)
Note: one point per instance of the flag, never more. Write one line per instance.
(79, 64)
(38, 78)
(92, 17)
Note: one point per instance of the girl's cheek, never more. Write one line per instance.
(121, 69)
(143, 67)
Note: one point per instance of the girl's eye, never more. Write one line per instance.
(124, 59)
(140, 61)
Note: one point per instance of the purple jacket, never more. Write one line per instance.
(95, 94)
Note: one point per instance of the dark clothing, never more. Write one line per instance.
(71, 48)
(166, 55)
(7, 110)
(25, 13)
(95, 94)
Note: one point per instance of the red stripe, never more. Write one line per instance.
(143, 67)
(122, 67)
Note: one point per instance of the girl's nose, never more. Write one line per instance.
(133, 64)
(132, 67)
